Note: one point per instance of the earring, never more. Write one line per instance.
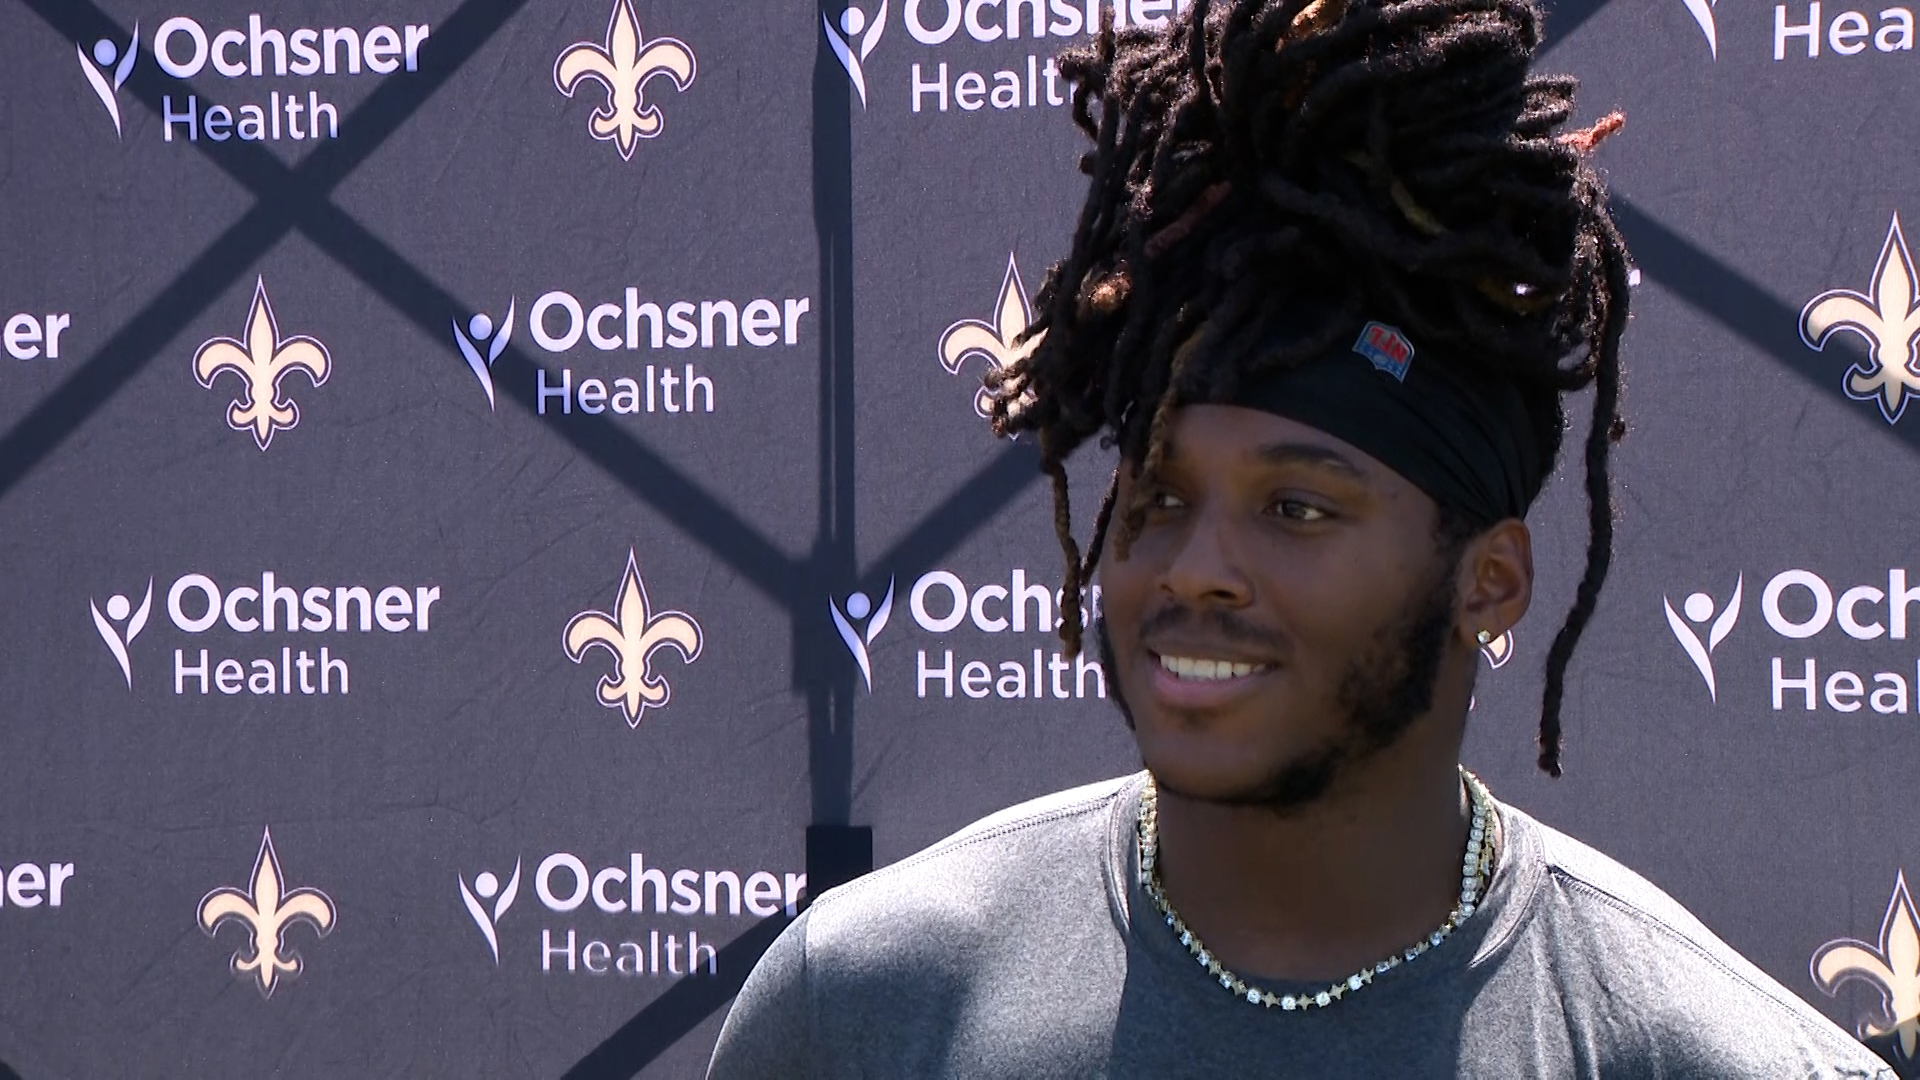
(1484, 637)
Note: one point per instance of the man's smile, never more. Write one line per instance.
(1193, 679)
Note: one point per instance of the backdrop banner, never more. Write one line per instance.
(496, 507)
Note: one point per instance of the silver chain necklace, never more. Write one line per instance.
(1475, 870)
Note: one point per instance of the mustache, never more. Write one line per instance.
(1226, 626)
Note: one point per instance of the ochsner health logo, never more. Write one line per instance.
(1699, 608)
(121, 612)
(481, 331)
(858, 640)
(1836, 645)
(278, 64)
(1702, 12)
(487, 887)
(238, 615)
(854, 41)
(97, 69)
(627, 917)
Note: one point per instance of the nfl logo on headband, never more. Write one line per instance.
(1387, 348)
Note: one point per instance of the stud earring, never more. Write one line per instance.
(1484, 637)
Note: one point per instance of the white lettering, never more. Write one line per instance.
(543, 885)
(924, 674)
(917, 601)
(1782, 31)
(1781, 684)
(1899, 21)
(977, 609)
(1822, 603)
(1850, 622)
(1844, 35)
(207, 589)
(1889, 695)
(921, 86)
(163, 47)
(919, 29)
(537, 321)
(1843, 691)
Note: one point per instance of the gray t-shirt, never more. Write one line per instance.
(1023, 946)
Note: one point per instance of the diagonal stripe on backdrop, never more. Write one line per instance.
(1715, 289)
(278, 189)
(637, 467)
(297, 199)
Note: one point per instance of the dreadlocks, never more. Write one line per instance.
(1398, 148)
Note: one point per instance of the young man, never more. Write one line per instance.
(1337, 267)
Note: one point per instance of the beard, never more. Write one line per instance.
(1382, 690)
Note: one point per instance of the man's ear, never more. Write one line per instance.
(1495, 580)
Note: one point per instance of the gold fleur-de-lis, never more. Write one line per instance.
(631, 634)
(267, 913)
(1889, 320)
(1892, 967)
(623, 67)
(998, 342)
(262, 361)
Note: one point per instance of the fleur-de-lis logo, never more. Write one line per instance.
(623, 67)
(267, 913)
(1892, 967)
(632, 633)
(262, 361)
(1889, 321)
(998, 342)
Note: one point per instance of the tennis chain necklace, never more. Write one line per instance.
(1475, 869)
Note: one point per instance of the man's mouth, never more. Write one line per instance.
(1205, 669)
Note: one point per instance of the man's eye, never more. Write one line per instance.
(1295, 510)
(1165, 500)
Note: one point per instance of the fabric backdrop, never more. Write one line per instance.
(493, 503)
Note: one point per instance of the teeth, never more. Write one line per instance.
(1187, 667)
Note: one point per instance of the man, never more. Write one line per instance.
(1337, 267)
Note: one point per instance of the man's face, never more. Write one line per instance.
(1283, 613)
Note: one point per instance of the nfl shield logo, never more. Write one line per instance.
(1387, 348)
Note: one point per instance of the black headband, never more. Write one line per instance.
(1467, 442)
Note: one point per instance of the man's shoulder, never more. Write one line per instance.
(980, 907)
(1002, 861)
(889, 973)
(1689, 991)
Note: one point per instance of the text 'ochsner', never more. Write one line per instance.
(197, 604)
(941, 602)
(186, 49)
(626, 918)
(558, 322)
